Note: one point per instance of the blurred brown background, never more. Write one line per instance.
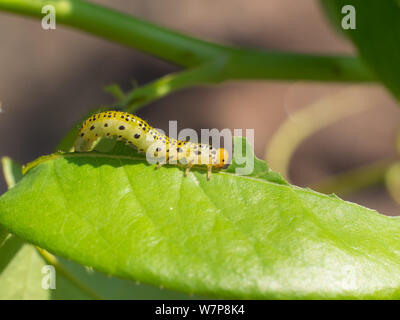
(49, 79)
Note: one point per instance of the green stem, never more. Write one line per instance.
(356, 179)
(52, 260)
(188, 51)
(252, 64)
(302, 124)
(207, 73)
(121, 28)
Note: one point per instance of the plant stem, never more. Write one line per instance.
(302, 124)
(207, 73)
(52, 260)
(188, 51)
(356, 179)
(247, 64)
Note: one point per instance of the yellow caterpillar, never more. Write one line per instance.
(137, 132)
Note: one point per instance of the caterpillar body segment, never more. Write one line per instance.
(137, 132)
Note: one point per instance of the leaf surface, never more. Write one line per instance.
(21, 270)
(232, 237)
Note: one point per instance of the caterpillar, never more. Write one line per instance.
(137, 132)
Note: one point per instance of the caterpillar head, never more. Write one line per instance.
(222, 159)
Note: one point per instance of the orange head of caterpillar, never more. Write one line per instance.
(222, 158)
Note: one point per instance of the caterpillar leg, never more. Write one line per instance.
(187, 170)
(158, 166)
(209, 171)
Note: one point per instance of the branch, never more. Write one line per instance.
(302, 124)
(356, 179)
(187, 51)
(208, 73)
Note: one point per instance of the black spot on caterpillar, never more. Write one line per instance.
(137, 132)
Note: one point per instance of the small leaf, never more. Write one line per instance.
(20, 271)
(260, 170)
(115, 90)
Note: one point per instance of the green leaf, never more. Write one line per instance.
(20, 263)
(392, 180)
(21, 270)
(329, 8)
(115, 90)
(77, 282)
(261, 169)
(377, 35)
(232, 237)
(21, 278)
